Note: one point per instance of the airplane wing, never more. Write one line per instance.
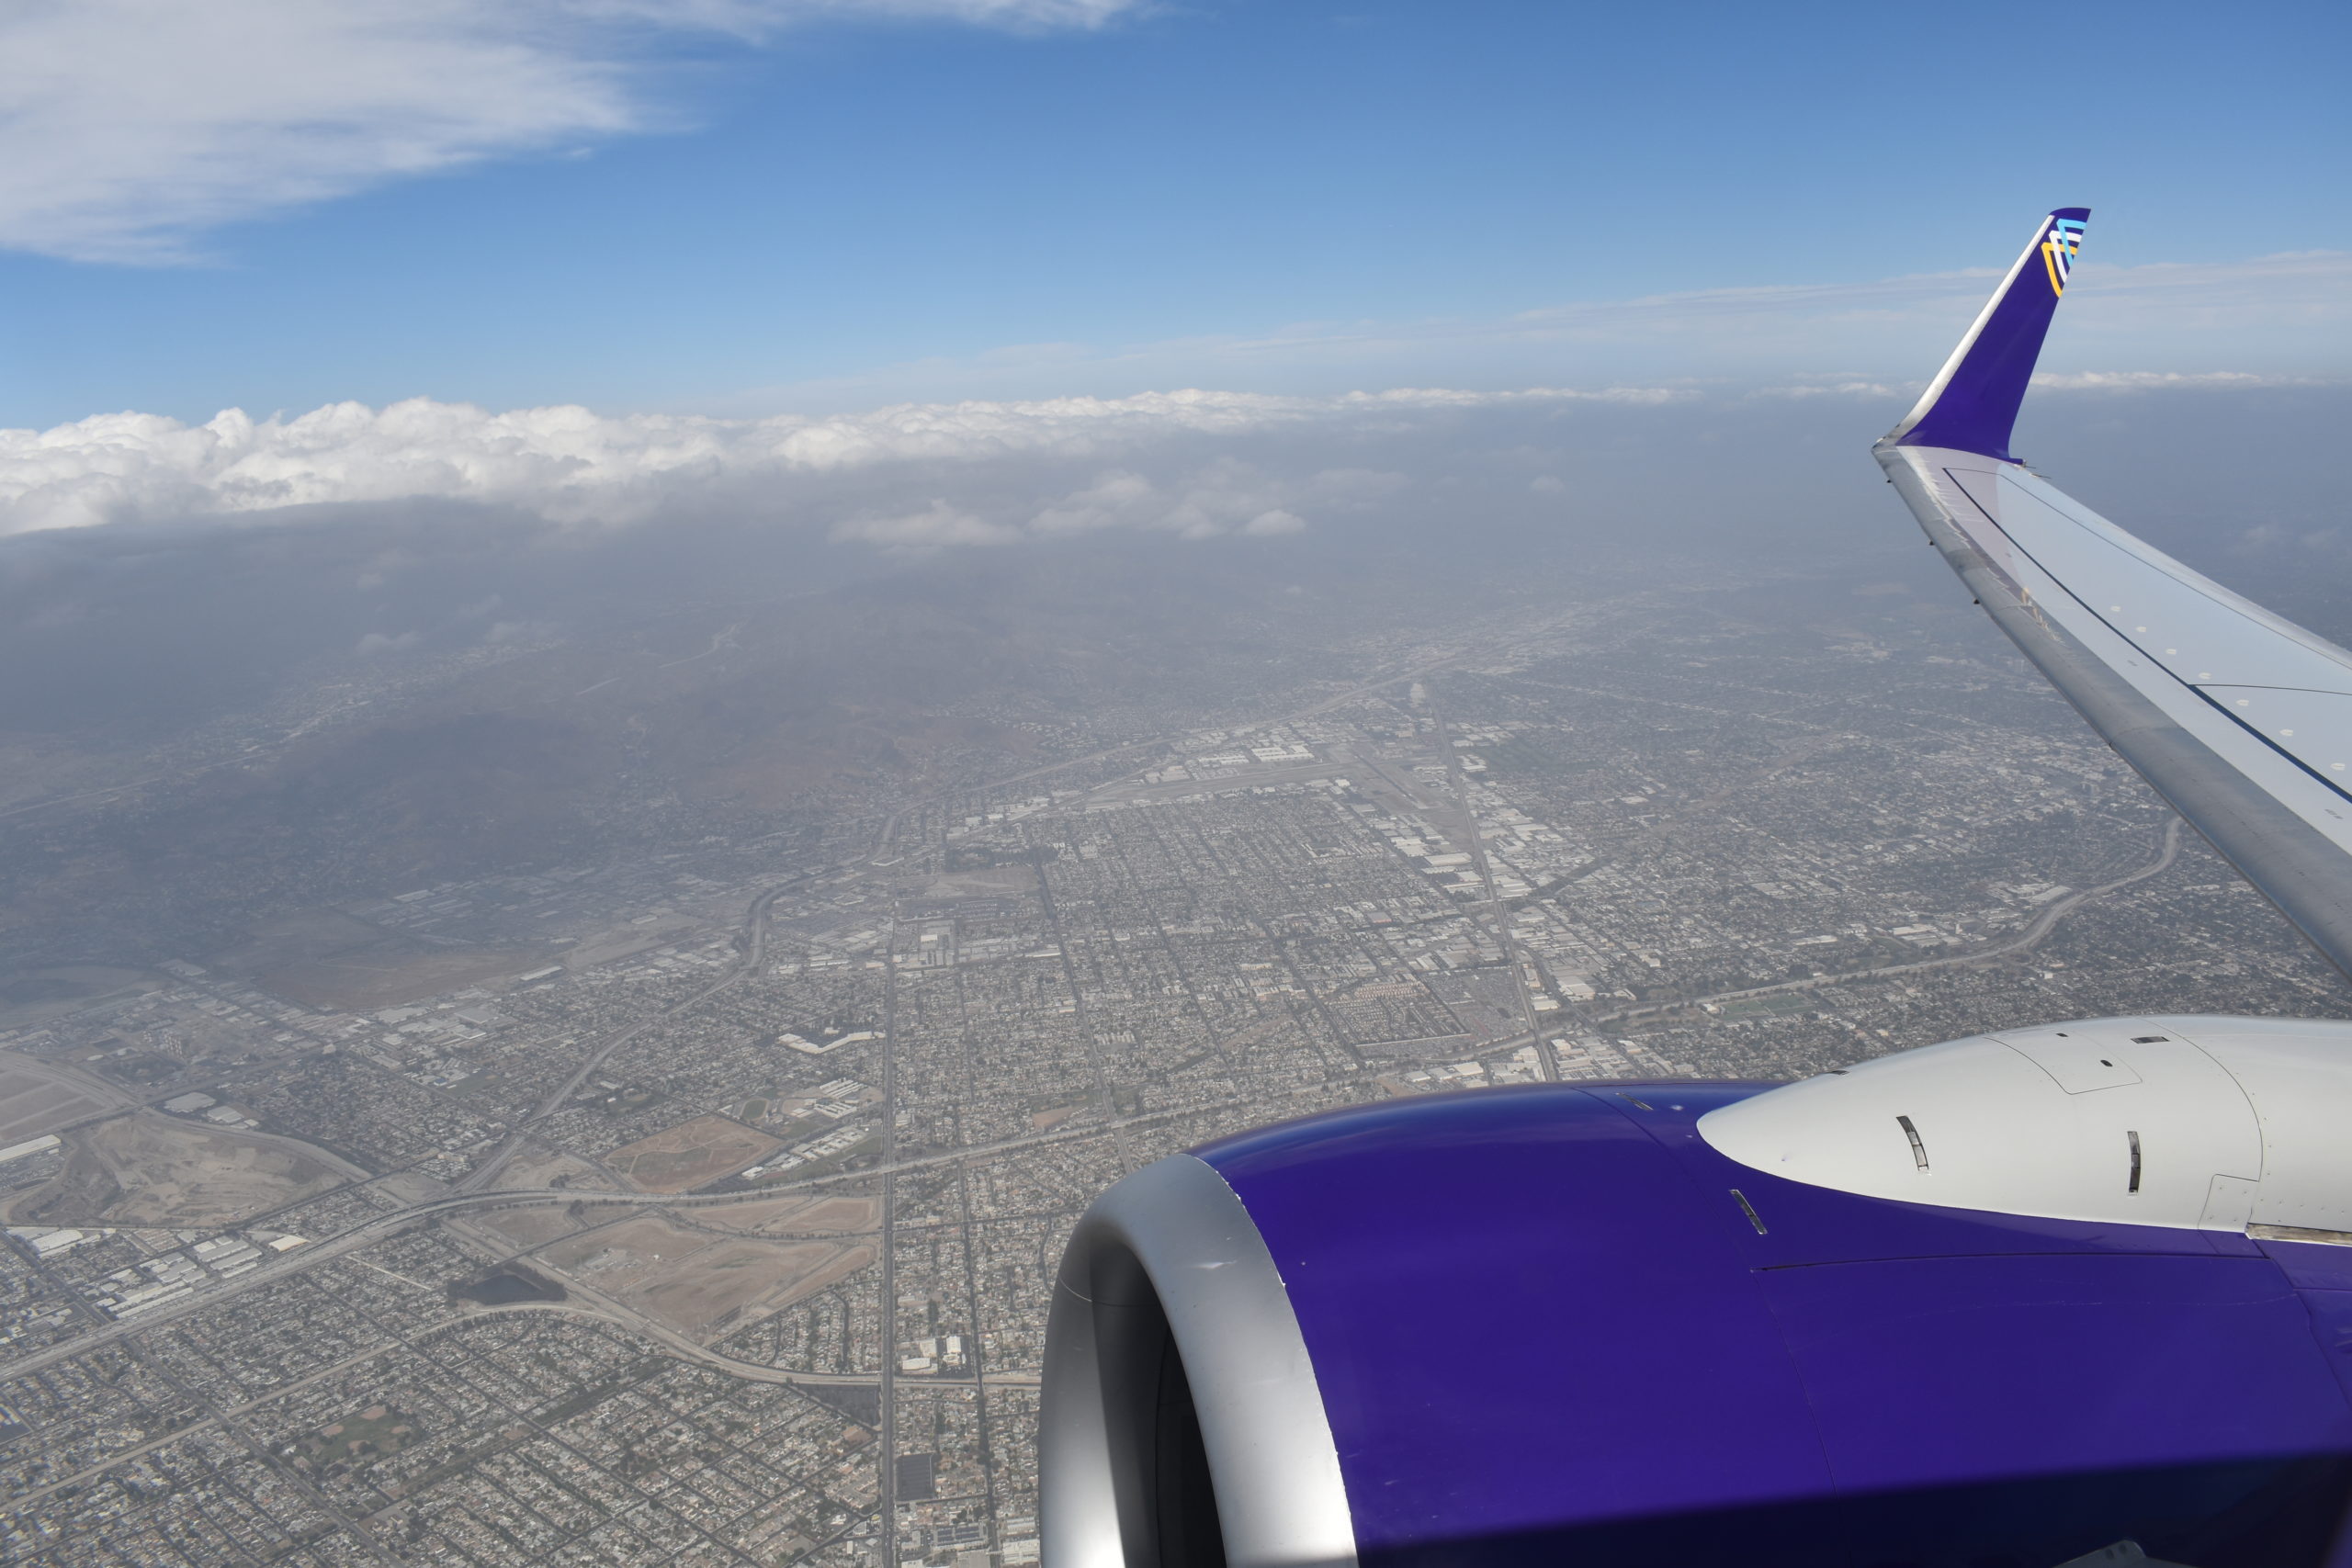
(2075, 1294)
(2238, 717)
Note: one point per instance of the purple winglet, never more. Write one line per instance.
(1972, 404)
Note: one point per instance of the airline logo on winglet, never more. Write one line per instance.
(2060, 244)
(1972, 405)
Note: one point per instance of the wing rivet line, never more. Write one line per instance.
(1919, 1149)
(1749, 1210)
(2134, 1185)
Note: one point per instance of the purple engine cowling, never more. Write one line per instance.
(1554, 1325)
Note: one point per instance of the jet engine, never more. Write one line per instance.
(2075, 1293)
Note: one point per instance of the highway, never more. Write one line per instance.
(369, 1231)
(2029, 938)
(755, 946)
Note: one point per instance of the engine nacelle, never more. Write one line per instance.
(1673, 1323)
(2208, 1123)
(1185, 1424)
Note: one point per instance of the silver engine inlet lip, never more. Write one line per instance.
(1174, 1239)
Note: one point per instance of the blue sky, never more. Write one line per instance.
(815, 207)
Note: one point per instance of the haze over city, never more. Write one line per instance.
(672, 671)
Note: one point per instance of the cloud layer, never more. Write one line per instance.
(571, 465)
(1222, 497)
(910, 476)
(128, 126)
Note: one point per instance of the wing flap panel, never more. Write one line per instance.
(2189, 626)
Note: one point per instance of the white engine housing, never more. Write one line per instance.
(2197, 1123)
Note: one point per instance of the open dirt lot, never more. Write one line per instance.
(35, 1099)
(528, 1227)
(389, 973)
(731, 1275)
(690, 1154)
(149, 1169)
(536, 1167)
(994, 881)
(28, 996)
(325, 958)
(797, 1215)
(691, 1280)
(533, 1166)
(603, 947)
(830, 1217)
(620, 1257)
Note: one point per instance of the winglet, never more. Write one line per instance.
(1972, 404)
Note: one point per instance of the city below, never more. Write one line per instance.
(699, 1202)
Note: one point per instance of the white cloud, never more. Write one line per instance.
(922, 470)
(1217, 498)
(1103, 504)
(936, 525)
(1841, 389)
(127, 126)
(1221, 497)
(1229, 497)
(1274, 521)
(571, 465)
(2061, 381)
(2161, 381)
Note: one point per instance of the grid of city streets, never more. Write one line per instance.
(703, 1209)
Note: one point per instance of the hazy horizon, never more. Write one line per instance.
(674, 672)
